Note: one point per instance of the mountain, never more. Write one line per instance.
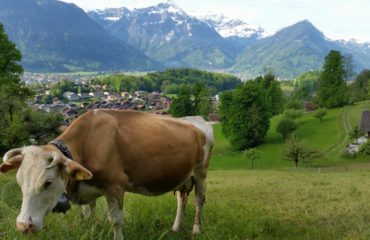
(236, 32)
(291, 51)
(59, 37)
(359, 51)
(169, 35)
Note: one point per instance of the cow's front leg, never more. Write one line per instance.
(88, 209)
(115, 216)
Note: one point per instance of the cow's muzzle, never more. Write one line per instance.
(63, 205)
(26, 228)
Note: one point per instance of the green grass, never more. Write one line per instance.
(265, 204)
(273, 202)
(329, 137)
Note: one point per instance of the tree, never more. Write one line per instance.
(333, 91)
(13, 94)
(305, 85)
(273, 95)
(285, 127)
(183, 105)
(192, 100)
(320, 113)
(245, 118)
(296, 151)
(348, 66)
(252, 154)
(360, 86)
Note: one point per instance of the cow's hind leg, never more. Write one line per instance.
(199, 201)
(88, 209)
(115, 216)
(182, 198)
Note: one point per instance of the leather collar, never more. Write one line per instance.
(62, 147)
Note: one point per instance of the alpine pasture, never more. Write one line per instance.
(326, 198)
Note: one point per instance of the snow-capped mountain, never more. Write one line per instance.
(232, 28)
(168, 34)
(112, 14)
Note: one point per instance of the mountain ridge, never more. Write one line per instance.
(57, 36)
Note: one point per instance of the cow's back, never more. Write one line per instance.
(146, 153)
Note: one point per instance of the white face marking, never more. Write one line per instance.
(41, 187)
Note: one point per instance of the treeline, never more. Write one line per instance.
(168, 81)
(19, 124)
(331, 87)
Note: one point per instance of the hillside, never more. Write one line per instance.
(54, 36)
(329, 137)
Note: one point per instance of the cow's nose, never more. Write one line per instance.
(26, 228)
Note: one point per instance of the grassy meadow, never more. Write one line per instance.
(327, 198)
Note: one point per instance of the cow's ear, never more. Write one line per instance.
(11, 163)
(77, 172)
(12, 159)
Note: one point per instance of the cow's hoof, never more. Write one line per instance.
(175, 229)
(196, 229)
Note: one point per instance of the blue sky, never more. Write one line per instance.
(338, 19)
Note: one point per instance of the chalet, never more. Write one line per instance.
(310, 106)
(71, 96)
(365, 122)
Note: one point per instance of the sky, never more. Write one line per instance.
(337, 19)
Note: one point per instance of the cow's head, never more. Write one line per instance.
(42, 174)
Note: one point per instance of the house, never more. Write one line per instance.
(140, 93)
(214, 117)
(55, 108)
(365, 122)
(71, 96)
(125, 95)
(84, 95)
(310, 106)
(112, 97)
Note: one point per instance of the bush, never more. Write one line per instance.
(293, 114)
(285, 127)
(320, 113)
(365, 149)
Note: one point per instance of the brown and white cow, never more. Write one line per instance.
(114, 152)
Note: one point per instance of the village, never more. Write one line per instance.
(73, 104)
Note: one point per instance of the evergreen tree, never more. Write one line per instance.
(333, 91)
(273, 95)
(245, 118)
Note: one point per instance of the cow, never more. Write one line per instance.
(107, 153)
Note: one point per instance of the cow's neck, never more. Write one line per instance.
(72, 138)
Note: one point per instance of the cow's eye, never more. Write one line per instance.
(47, 184)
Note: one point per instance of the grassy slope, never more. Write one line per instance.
(264, 204)
(328, 136)
(240, 205)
